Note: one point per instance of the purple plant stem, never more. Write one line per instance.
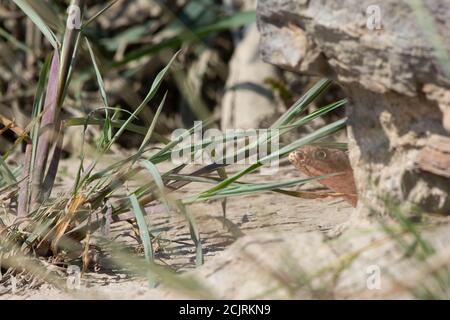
(50, 130)
(53, 167)
(47, 129)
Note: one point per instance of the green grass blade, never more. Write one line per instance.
(71, 122)
(157, 179)
(38, 21)
(98, 75)
(282, 123)
(145, 237)
(310, 138)
(16, 43)
(302, 103)
(95, 16)
(195, 234)
(168, 147)
(315, 114)
(44, 10)
(107, 128)
(153, 124)
(155, 86)
(322, 132)
(248, 189)
(6, 173)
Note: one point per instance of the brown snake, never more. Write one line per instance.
(316, 161)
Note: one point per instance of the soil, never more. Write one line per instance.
(246, 217)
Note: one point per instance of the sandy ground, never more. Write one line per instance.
(246, 216)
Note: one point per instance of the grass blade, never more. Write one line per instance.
(6, 172)
(95, 16)
(302, 103)
(38, 21)
(157, 178)
(155, 86)
(145, 237)
(153, 124)
(248, 189)
(107, 129)
(195, 234)
(322, 132)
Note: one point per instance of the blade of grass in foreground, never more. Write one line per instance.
(95, 16)
(157, 179)
(318, 134)
(302, 103)
(6, 172)
(48, 14)
(322, 132)
(246, 189)
(38, 21)
(149, 133)
(195, 235)
(155, 86)
(71, 122)
(283, 123)
(145, 237)
(107, 128)
(286, 128)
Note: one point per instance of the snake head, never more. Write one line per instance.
(315, 161)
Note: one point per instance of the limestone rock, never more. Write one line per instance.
(390, 61)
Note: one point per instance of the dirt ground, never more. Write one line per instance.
(246, 216)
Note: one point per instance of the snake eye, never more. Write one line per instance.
(320, 155)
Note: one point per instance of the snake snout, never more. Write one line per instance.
(297, 156)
